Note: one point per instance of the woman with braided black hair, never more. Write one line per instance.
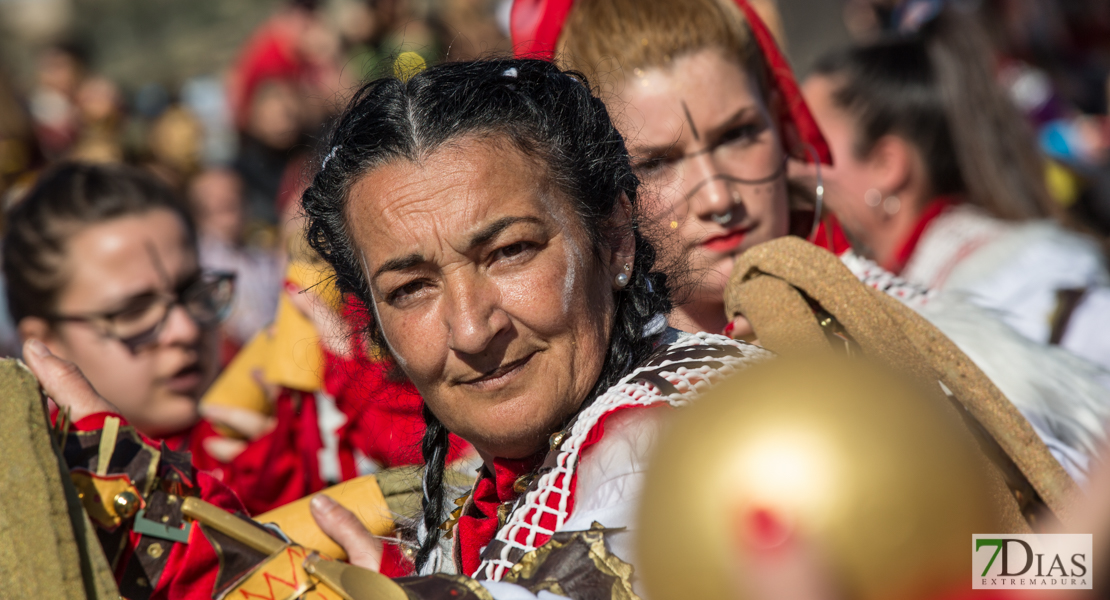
(493, 232)
(487, 214)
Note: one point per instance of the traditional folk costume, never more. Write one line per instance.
(558, 523)
(562, 522)
(1048, 283)
(563, 513)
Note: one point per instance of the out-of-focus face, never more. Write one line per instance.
(848, 181)
(485, 285)
(276, 113)
(59, 71)
(704, 144)
(110, 267)
(217, 197)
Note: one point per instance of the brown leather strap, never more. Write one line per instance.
(887, 330)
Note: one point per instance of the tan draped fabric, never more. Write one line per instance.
(787, 286)
(48, 547)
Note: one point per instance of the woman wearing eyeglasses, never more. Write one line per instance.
(101, 266)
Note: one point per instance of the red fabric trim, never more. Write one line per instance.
(800, 132)
(830, 236)
(96, 421)
(933, 210)
(477, 528)
(535, 26)
(394, 563)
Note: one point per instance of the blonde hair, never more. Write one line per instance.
(602, 38)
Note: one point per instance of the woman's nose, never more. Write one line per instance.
(181, 328)
(707, 192)
(474, 316)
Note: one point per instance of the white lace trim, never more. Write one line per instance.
(872, 275)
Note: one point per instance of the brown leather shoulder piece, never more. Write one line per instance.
(773, 281)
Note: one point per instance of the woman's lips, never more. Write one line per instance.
(185, 381)
(728, 242)
(499, 377)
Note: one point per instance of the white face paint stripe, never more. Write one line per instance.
(572, 257)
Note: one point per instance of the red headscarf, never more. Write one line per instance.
(536, 25)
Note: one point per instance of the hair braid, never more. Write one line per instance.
(434, 448)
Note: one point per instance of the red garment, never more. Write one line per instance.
(384, 424)
(830, 236)
(902, 256)
(191, 570)
(477, 527)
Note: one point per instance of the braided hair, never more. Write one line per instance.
(545, 113)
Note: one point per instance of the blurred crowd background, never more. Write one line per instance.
(225, 99)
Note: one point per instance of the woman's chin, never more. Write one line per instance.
(172, 414)
(513, 436)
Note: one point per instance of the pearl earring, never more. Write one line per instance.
(873, 198)
(891, 205)
(622, 278)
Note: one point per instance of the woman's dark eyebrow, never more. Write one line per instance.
(399, 264)
(715, 131)
(729, 122)
(482, 236)
(490, 231)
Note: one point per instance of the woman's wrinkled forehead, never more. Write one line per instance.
(437, 204)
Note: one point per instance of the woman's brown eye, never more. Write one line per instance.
(743, 133)
(650, 166)
(406, 290)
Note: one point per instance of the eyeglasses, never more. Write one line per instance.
(205, 297)
(744, 154)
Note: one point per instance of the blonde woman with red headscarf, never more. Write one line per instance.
(712, 114)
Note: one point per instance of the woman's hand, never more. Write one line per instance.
(64, 383)
(741, 329)
(249, 424)
(363, 548)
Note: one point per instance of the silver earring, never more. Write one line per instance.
(722, 219)
(891, 205)
(873, 198)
